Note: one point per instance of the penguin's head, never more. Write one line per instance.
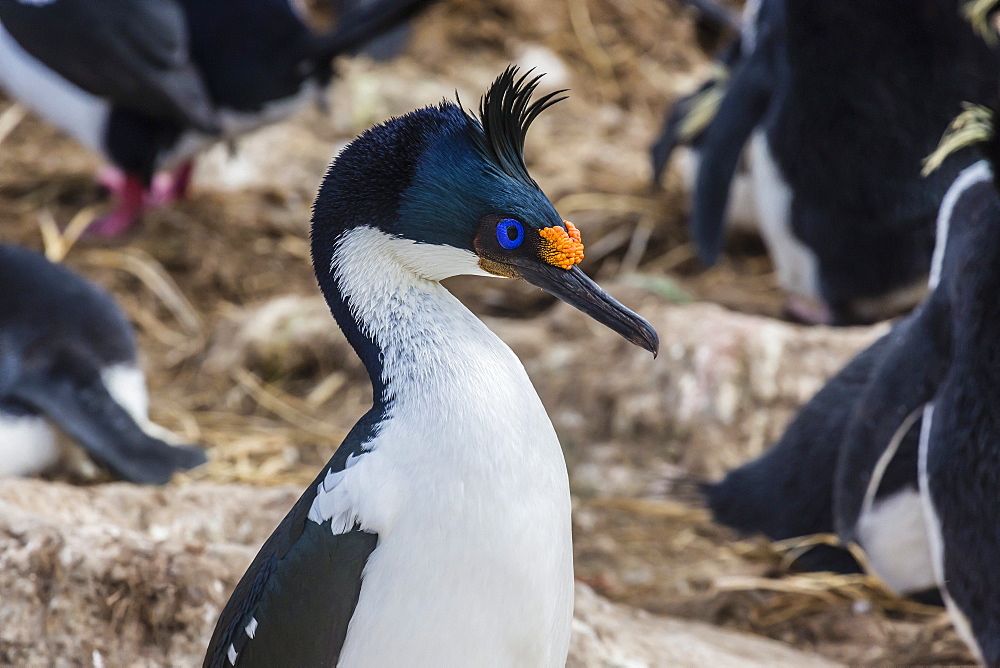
(442, 193)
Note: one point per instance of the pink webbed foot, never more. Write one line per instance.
(111, 179)
(808, 310)
(170, 187)
(130, 205)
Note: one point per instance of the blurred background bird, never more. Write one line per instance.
(836, 117)
(68, 360)
(897, 452)
(955, 335)
(149, 84)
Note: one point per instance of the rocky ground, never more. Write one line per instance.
(243, 357)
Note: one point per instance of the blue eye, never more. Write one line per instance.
(510, 233)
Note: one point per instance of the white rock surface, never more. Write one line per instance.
(120, 575)
(607, 635)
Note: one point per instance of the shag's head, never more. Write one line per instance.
(452, 193)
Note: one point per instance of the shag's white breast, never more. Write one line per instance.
(465, 482)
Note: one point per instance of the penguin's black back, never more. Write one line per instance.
(46, 307)
(788, 491)
(963, 456)
(878, 81)
(872, 86)
(247, 51)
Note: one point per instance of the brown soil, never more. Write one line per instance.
(235, 244)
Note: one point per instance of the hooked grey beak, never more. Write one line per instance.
(576, 289)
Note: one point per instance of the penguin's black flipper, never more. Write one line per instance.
(135, 54)
(75, 399)
(661, 151)
(748, 94)
(364, 25)
(788, 491)
(678, 127)
(906, 378)
(715, 15)
(386, 46)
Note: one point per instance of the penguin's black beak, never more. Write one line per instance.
(576, 289)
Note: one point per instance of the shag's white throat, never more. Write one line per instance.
(464, 480)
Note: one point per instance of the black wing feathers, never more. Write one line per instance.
(298, 595)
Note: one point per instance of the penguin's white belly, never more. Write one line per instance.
(795, 263)
(893, 533)
(63, 104)
(126, 383)
(28, 445)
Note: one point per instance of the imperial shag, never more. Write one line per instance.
(439, 533)
(150, 83)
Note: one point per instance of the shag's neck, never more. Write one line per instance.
(415, 338)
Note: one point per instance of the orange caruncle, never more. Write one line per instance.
(562, 247)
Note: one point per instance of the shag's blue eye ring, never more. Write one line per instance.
(510, 233)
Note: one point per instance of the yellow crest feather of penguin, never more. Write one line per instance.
(974, 125)
(978, 13)
(704, 105)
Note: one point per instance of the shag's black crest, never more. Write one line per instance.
(505, 113)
